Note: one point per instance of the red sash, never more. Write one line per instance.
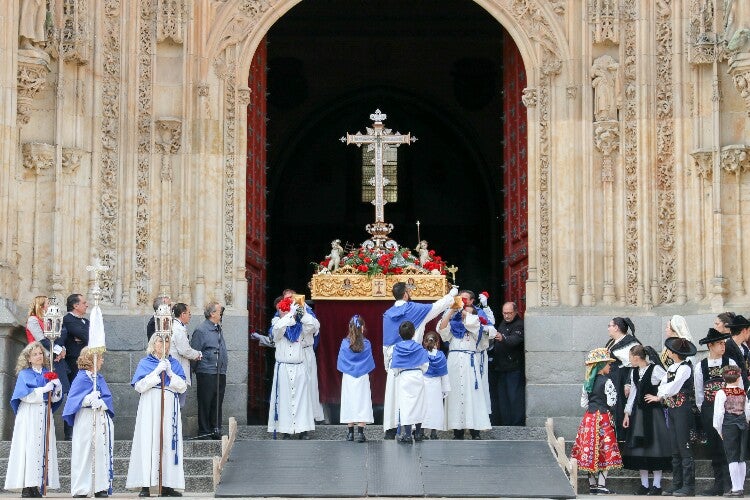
(29, 336)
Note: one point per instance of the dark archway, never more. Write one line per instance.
(436, 75)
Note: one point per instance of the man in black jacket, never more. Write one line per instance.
(76, 327)
(507, 368)
(740, 329)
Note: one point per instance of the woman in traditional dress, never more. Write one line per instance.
(355, 362)
(621, 333)
(90, 413)
(595, 447)
(32, 446)
(676, 327)
(647, 439)
(145, 455)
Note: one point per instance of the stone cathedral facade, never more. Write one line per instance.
(123, 136)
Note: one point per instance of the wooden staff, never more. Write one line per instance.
(49, 423)
(93, 439)
(161, 420)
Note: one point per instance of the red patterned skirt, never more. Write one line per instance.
(596, 447)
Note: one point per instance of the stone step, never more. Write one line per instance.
(122, 448)
(195, 484)
(375, 433)
(193, 466)
(629, 486)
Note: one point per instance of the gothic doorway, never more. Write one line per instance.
(455, 83)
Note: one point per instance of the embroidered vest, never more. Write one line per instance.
(735, 403)
(685, 394)
(712, 379)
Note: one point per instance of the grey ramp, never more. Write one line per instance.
(389, 469)
(294, 469)
(393, 469)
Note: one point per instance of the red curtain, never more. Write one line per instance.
(255, 244)
(515, 199)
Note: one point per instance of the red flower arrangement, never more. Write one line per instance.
(50, 376)
(393, 261)
(485, 293)
(285, 305)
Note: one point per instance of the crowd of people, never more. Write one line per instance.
(646, 410)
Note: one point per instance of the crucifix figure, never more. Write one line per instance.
(376, 139)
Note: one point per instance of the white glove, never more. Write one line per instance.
(160, 367)
(96, 404)
(483, 299)
(454, 291)
(90, 398)
(169, 367)
(48, 387)
(293, 309)
(56, 382)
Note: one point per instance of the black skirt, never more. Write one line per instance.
(647, 444)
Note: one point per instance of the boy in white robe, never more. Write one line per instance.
(409, 363)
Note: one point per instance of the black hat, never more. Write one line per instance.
(681, 346)
(713, 336)
(739, 321)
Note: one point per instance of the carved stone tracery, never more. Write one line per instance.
(76, 39)
(169, 20)
(703, 164)
(32, 77)
(230, 137)
(604, 21)
(702, 39)
(735, 158)
(168, 141)
(38, 156)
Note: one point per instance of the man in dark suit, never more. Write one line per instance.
(76, 327)
(740, 329)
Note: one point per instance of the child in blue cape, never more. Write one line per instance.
(355, 362)
(436, 386)
(29, 447)
(409, 362)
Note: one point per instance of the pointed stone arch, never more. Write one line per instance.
(237, 28)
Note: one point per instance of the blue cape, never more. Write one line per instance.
(458, 330)
(81, 387)
(438, 365)
(395, 315)
(408, 354)
(353, 363)
(148, 364)
(27, 381)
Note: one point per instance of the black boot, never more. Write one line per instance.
(458, 433)
(676, 477)
(26, 493)
(144, 492)
(433, 434)
(350, 434)
(688, 478)
(474, 434)
(390, 435)
(361, 435)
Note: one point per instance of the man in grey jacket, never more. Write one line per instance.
(210, 371)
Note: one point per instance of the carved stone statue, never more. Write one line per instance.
(423, 252)
(605, 82)
(31, 32)
(336, 252)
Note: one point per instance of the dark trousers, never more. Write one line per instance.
(508, 390)
(209, 400)
(715, 446)
(680, 421)
(67, 369)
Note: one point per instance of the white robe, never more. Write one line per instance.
(410, 394)
(434, 390)
(143, 470)
(356, 399)
(390, 406)
(465, 405)
(290, 393)
(81, 451)
(311, 363)
(25, 460)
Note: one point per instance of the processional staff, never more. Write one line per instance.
(52, 331)
(163, 323)
(97, 346)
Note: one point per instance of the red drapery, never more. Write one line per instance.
(334, 316)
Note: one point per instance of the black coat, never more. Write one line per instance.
(507, 355)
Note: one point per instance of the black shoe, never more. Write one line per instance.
(284, 435)
(654, 492)
(81, 496)
(145, 492)
(361, 437)
(304, 436)
(26, 493)
(350, 435)
(418, 437)
(390, 434)
(35, 493)
(600, 490)
(101, 494)
(458, 434)
(642, 490)
(433, 434)
(166, 491)
(404, 439)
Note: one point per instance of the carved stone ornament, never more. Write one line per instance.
(75, 37)
(529, 97)
(702, 40)
(71, 159)
(735, 158)
(243, 96)
(738, 52)
(604, 22)
(703, 164)
(169, 20)
(38, 156)
(32, 77)
(168, 135)
(607, 141)
(571, 91)
(203, 89)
